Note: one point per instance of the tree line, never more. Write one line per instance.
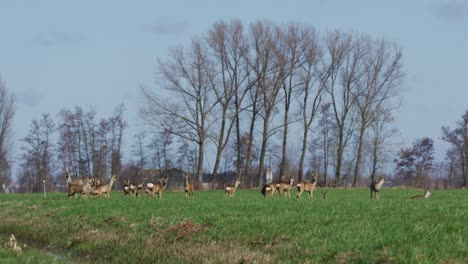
(335, 91)
(263, 97)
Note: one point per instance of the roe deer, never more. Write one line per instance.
(307, 186)
(426, 195)
(231, 189)
(376, 186)
(286, 187)
(135, 188)
(83, 189)
(105, 188)
(188, 187)
(152, 188)
(127, 188)
(269, 188)
(77, 181)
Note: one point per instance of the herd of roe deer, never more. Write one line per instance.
(92, 187)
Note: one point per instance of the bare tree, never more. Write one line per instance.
(139, 150)
(269, 66)
(254, 109)
(160, 147)
(458, 138)
(313, 75)
(325, 139)
(229, 47)
(415, 163)
(117, 126)
(186, 156)
(7, 112)
(189, 79)
(298, 47)
(38, 151)
(345, 72)
(451, 157)
(380, 141)
(382, 70)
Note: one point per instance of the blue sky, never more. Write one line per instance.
(61, 54)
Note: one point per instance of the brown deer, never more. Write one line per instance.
(286, 187)
(105, 188)
(269, 188)
(307, 186)
(77, 181)
(426, 195)
(230, 189)
(188, 187)
(376, 186)
(136, 188)
(83, 189)
(152, 188)
(127, 188)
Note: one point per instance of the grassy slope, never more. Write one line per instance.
(346, 227)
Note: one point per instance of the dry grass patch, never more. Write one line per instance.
(186, 229)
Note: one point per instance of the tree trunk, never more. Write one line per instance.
(339, 158)
(303, 152)
(238, 140)
(261, 166)
(201, 150)
(248, 153)
(285, 142)
(219, 150)
(357, 166)
(263, 151)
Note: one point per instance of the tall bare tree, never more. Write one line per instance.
(380, 141)
(188, 78)
(378, 88)
(313, 77)
(139, 150)
(7, 112)
(345, 64)
(38, 151)
(228, 46)
(297, 45)
(117, 126)
(269, 66)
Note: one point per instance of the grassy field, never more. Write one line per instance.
(347, 227)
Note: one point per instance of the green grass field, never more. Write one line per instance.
(347, 227)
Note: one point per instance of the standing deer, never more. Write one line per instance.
(376, 186)
(83, 189)
(77, 181)
(127, 188)
(230, 189)
(307, 186)
(105, 188)
(188, 187)
(152, 188)
(426, 195)
(269, 188)
(286, 187)
(136, 188)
